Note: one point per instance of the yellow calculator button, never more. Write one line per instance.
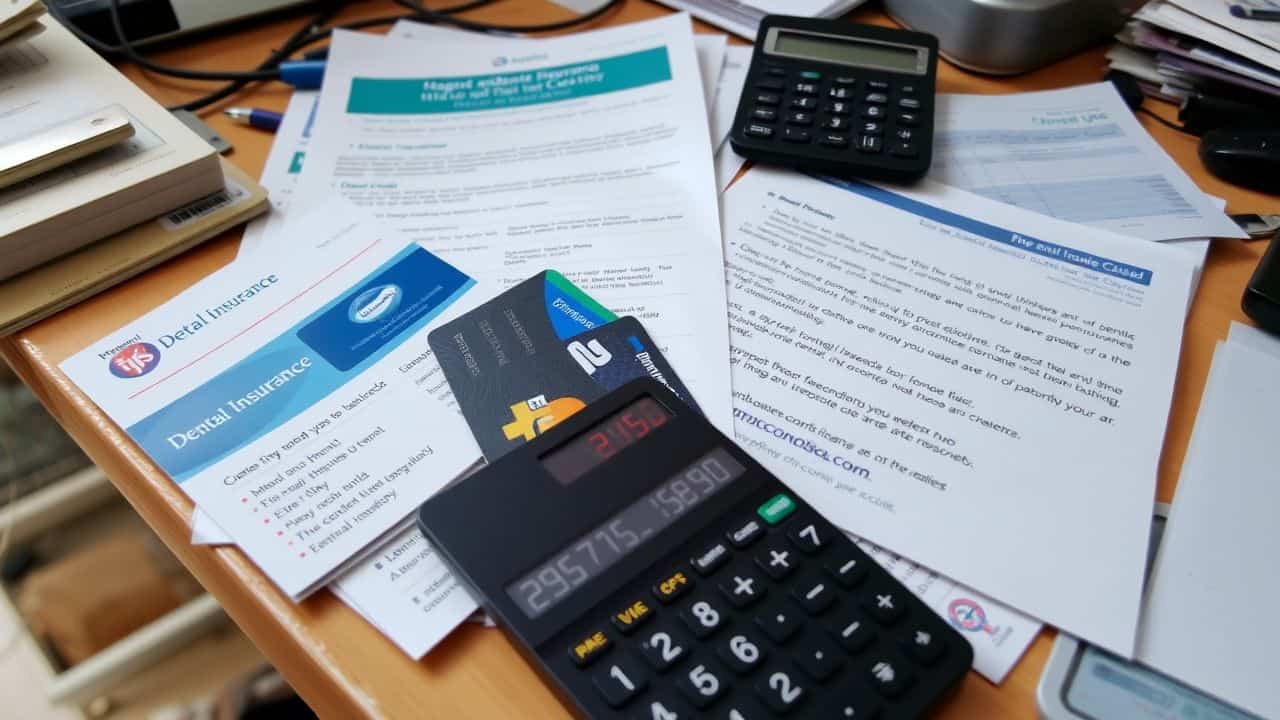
(632, 616)
(589, 648)
(672, 587)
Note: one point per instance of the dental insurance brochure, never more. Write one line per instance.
(589, 153)
(279, 394)
(1076, 154)
(979, 388)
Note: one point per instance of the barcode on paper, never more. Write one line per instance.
(232, 194)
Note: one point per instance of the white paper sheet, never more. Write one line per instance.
(1176, 19)
(280, 173)
(1077, 154)
(614, 188)
(1213, 584)
(961, 381)
(1254, 338)
(1218, 12)
(998, 634)
(407, 592)
(272, 374)
(737, 60)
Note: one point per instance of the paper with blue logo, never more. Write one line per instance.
(976, 387)
(284, 393)
(588, 153)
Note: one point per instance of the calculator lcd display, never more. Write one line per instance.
(848, 51)
(593, 553)
(605, 439)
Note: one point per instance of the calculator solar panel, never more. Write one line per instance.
(648, 568)
(835, 97)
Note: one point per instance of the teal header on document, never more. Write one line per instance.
(420, 96)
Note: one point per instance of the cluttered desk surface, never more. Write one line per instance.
(340, 664)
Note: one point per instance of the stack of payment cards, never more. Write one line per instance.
(539, 352)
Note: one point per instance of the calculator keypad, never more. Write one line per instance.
(786, 617)
(860, 117)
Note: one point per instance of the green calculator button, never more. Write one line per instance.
(777, 508)
(811, 75)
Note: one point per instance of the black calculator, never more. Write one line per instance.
(649, 568)
(839, 98)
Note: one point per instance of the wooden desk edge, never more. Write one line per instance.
(268, 618)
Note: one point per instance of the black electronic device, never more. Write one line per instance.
(1262, 295)
(840, 98)
(1245, 157)
(648, 568)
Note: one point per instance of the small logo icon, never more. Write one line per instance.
(536, 415)
(501, 60)
(374, 303)
(589, 356)
(883, 672)
(969, 616)
(134, 360)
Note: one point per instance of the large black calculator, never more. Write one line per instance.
(835, 97)
(649, 568)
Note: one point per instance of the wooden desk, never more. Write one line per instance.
(340, 664)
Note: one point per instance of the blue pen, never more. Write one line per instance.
(253, 117)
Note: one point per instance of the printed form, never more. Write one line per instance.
(609, 181)
(1077, 154)
(979, 388)
(280, 396)
(288, 150)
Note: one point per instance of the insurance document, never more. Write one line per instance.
(589, 154)
(280, 394)
(976, 387)
(1076, 154)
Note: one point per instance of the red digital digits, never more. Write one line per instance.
(630, 426)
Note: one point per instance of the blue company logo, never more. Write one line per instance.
(134, 360)
(500, 61)
(370, 305)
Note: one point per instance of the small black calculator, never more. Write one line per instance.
(650, 569)
(839, 98)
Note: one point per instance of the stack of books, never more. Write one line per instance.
(79, 226)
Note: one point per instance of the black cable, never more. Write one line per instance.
(276, 57)
(127, 49)
(1166, 123)
(438, 16)
(311, 33)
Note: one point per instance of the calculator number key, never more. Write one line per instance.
(702, 617)
(660, 708)
(702, 685)
(741, 652)
(662, 649)
(808, 536)
(618, 682)
(780, 690)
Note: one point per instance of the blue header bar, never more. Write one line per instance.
(1035, 246)
(420, 96)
